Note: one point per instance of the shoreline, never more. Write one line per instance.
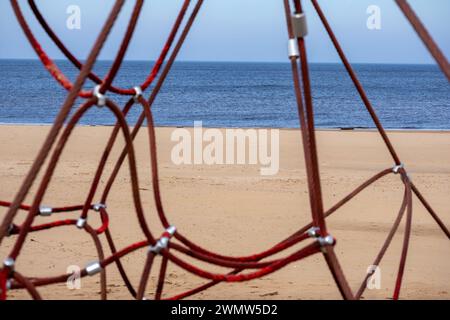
(337, 129)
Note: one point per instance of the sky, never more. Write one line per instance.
(236, 30)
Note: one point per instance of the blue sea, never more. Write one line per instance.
(242, 95)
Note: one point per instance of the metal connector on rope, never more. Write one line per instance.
(93, 268)
(10, 230)
(328, 240)
(45, 211)
(9, 263)
(299, 25)
(8, 284)
(138, 94)
(293, 48)
(313, 232)
(163, 242)
(98, 206)
(81, 222)
(171, 230)
(396, 169)
(101, 98)
(160, 245)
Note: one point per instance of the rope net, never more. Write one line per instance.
(313, 238)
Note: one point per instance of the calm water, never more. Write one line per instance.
(243, 95)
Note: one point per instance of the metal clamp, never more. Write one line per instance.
(8, 284)
(45, 211)
(313, 232)
(326, 241)
(396, 169)
(159, 246)
(10, 230)
(171, 230)
(9, 263)
(101, 98)
(299, 26)
(81, 223)
(163, 242)
(293, 48)
(138, 94)
(93, 268)
(98, 206)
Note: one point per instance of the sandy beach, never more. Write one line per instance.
(234, 210)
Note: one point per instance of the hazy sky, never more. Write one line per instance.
(237, 30)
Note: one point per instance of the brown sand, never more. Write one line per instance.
(235, 211)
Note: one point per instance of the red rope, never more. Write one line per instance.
(122, 91)
(261, 263)
(3, 280)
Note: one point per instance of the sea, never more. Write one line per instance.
(238, 94)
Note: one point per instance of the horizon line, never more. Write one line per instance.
(235, 61)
